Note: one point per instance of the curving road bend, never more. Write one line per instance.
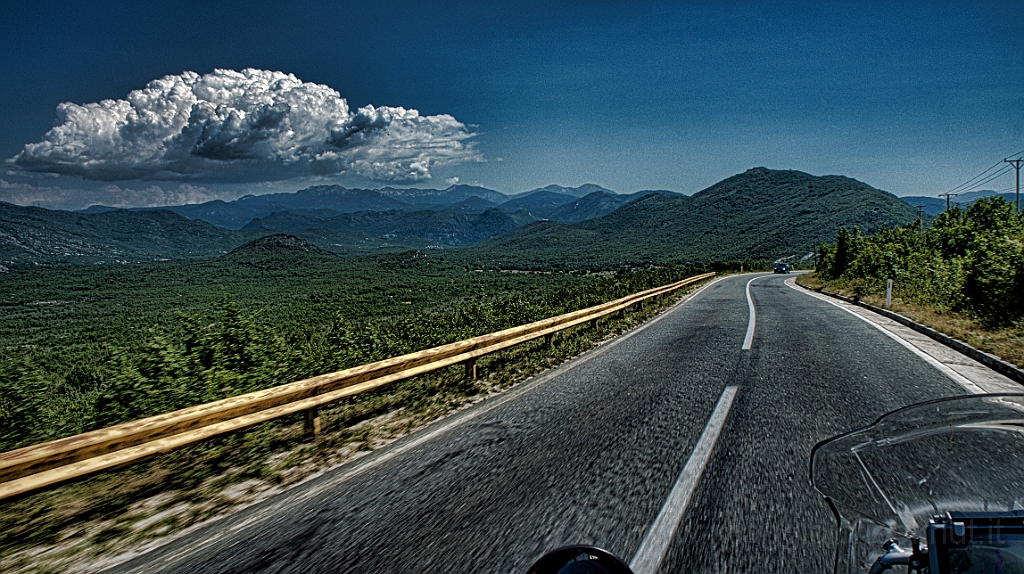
(589, 452)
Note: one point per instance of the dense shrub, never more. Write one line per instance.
(222, 351)
(968, 260)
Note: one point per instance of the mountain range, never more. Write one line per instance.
(33, 235)
(450, 229)
(759, 214)
(324, 201)
(37, 235)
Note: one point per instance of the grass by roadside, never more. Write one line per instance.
(92, 524)
(1005, 343)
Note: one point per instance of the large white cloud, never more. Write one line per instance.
(243, 126)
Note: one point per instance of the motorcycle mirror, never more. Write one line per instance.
(579, 559)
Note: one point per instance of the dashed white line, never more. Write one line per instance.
(749, 339)
(655, 544)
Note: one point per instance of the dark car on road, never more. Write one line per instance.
(782, 267)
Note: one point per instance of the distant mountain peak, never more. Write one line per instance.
(463, 186)
(581, 191)
(322, 189)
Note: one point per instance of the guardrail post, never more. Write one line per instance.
(593, 323)
(621, 314)
(549, 340)
(312, 427)
(470, 369)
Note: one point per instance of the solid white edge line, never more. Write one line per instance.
(655, 544)
(749, 339)
(961, 380)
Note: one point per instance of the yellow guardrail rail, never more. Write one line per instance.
(38, 466)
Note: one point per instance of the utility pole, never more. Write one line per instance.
(947, 196)
(920, 210)
(1016, 165)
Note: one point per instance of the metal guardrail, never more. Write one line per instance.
(38, 466)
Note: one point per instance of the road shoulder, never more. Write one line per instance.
(972, 375)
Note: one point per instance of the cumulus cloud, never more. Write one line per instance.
(243, 126)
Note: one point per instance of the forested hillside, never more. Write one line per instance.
(441, 227)
(32, 234)
(760, 214)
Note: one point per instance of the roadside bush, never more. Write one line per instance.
(994, 272)
(968, 260)
(228, 357)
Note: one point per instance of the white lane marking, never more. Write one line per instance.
(333, 477)
(961, 380)
(655, 544)
(749, 339)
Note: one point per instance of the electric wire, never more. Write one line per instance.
(972, 184)
(996, 175)
(965, 185)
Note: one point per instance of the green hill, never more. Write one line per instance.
(760, 214)
(277, 249)
(33, 234)
(442, 227)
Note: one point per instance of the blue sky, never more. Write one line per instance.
(913, 98)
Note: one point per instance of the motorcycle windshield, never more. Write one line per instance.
(887, 480)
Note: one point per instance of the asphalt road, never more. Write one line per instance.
(588, 453)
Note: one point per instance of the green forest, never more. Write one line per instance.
(969, 262)
(83, 347)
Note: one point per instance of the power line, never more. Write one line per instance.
(1016, 166)
(971, 182)
(967, 183)
(995, 175)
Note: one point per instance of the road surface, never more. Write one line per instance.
(590, 452)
